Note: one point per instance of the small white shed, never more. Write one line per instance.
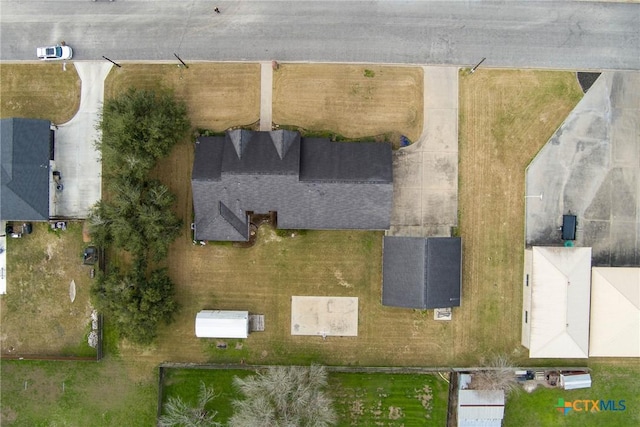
(571, 382)
(222, 324)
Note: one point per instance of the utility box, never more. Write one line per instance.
(569, 223)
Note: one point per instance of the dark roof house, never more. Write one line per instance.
(312, 183)
(422, 272)
(24, 157)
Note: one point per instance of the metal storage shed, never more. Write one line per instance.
(572, 382)
(480, 408)
(222, 324)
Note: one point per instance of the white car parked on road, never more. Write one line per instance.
(54, 53)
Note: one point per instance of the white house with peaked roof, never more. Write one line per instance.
(556, 300)
(615, 312)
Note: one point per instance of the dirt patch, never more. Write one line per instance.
(39, 91)
(395, 413)
(38, 316)
(352, 100)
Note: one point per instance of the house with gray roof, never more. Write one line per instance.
(310, 183)
(421, 273)
(25, 151)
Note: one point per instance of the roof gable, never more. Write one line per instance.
(615, 312)
(261, 153)
(560, 302)
(422, 273)
(260, 172)
(24, 174)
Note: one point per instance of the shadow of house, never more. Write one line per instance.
(312, 183)
(421, 273)
(25, 151)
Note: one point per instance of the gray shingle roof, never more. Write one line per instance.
(422, 273)
(24, 177)
(261, 172)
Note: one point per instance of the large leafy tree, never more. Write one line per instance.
(284, 396)
(135, 304)
(178, 413)
(138, 219)
(138, 128)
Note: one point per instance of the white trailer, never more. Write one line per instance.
(222, 324)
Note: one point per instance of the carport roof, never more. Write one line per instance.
(422, 272)
(24, 177)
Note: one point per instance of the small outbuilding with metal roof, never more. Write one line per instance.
(421, 273)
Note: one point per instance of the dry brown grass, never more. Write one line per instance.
(37, 314)
(351, 100)
(505, 118)
(39, 91)
(218, 96)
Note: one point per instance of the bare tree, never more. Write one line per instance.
(179, 414)
(284, 396)
(499, 375)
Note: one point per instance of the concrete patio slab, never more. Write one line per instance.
(324, 316)
(591, 168)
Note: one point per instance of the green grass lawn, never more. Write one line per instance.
(38, 393)
(609, 382)
(360, 399)
(389, 399)
(185, 383)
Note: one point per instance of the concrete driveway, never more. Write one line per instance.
(75, 155)
(591, 168)
(425, 174)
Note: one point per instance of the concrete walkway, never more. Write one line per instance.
(425, 174)
(76, 158)
(266, 95)
(591, 168)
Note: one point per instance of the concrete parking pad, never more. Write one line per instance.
(591, 168)
(324, 316)
(425, 174)
(76, 157)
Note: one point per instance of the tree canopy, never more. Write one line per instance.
(138, 128)
(284, 396)
(134, 303)
(178, 413)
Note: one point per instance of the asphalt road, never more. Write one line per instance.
(561, 35)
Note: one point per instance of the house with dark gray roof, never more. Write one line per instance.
(25, 151)
(311, 183)
(421, 273)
